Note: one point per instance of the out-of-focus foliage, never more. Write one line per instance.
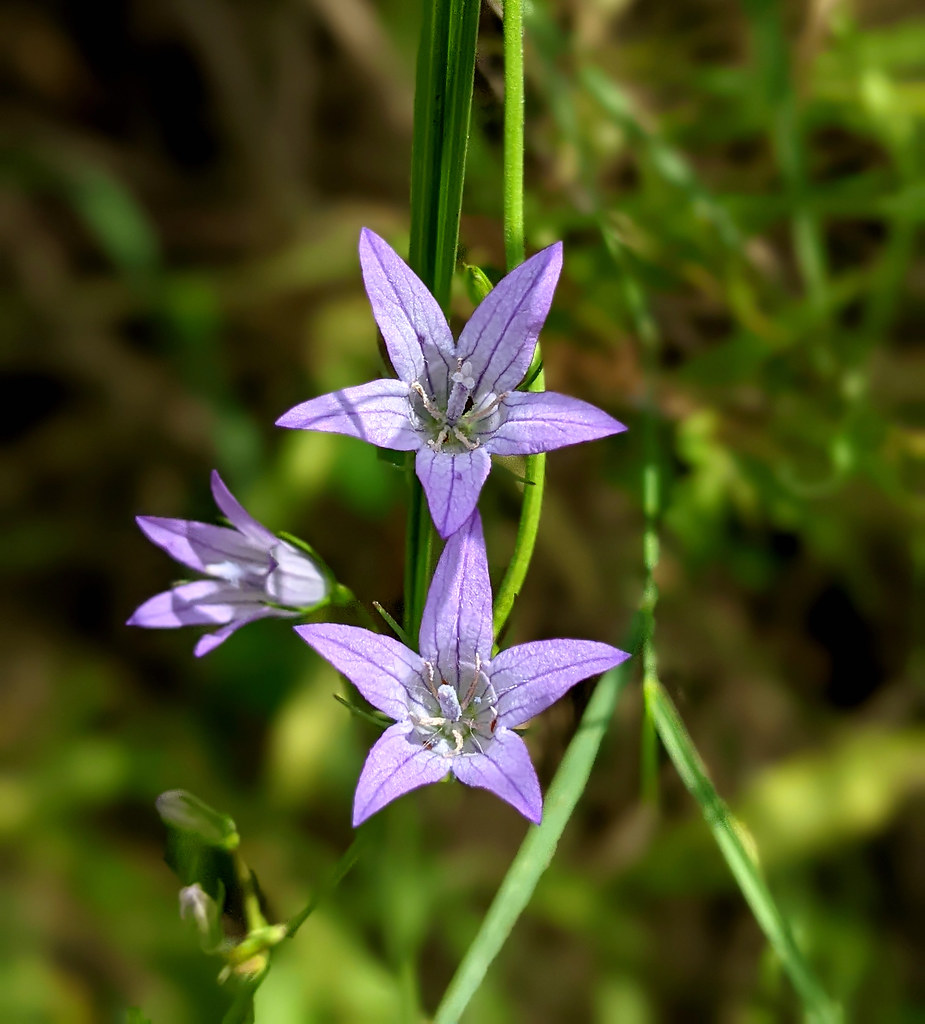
(181, 191)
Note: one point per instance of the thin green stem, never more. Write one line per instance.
(650, 545)
(662, 718)
(537, 849)
(535, 467)
(341, 869)
(253, 915)
(530, 511)
(736, 847)
(442, 108)
(513, 133)
(241, 1010)
(646, 330)
(419, 540)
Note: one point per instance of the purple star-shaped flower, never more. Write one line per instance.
(251, 573)
(455, 706)
(456, 405)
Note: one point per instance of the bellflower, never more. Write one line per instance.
(251, 573)
(455, 706)
(455, 405)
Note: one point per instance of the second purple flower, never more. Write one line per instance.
(455, 705)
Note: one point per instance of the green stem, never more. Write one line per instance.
(442, 105)
(735, 847)
(513, 133)
(419, 539)
(442, 108)
(241, 1010)
(253, 915)
(341, 869)
(537, 849)
(516, 573)
(535, 467)
(645, 327)
(651, 504)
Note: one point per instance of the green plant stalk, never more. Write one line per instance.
(647, 332)
(731, 839)
(537, 849)
(514, 251)
(513, 133)
(419, 544)
(442, 107)
(649, 745)
(253, 915)
(341, 869)
(241, 1010)
(525, 542)
(442, 110)
(662, 718)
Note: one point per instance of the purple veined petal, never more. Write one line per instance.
(456, 624)
(210, 641)
(294, 580)
(237, 515)
(396, 764)
(415, 330)
(500, 337)
(381, 668)
(541, 421)
(506, 769)
(215, 550)
(201, 603)
(378, 412)
(452, 483)
(530, 677)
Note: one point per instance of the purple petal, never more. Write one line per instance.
(210, 641)
(452, 484)
(500, 337)
(530, 677)
(201, 603)
(506, 769)
(378, 412)
(216, 550)
(378, 666)
(396, 764)
(238, 516)
(294, 580)
(412, 323)
(456, 624)
(540, 421)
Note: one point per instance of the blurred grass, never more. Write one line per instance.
(181, 268)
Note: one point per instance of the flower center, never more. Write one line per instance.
(461, 426)
(456, 717)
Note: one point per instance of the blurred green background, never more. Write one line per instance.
(181, 189)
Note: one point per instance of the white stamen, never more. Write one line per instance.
(460, 436)
(470, 693)
(457, 732)
(427, 721)
(474, 417)
(427, 401)
(437, 443)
